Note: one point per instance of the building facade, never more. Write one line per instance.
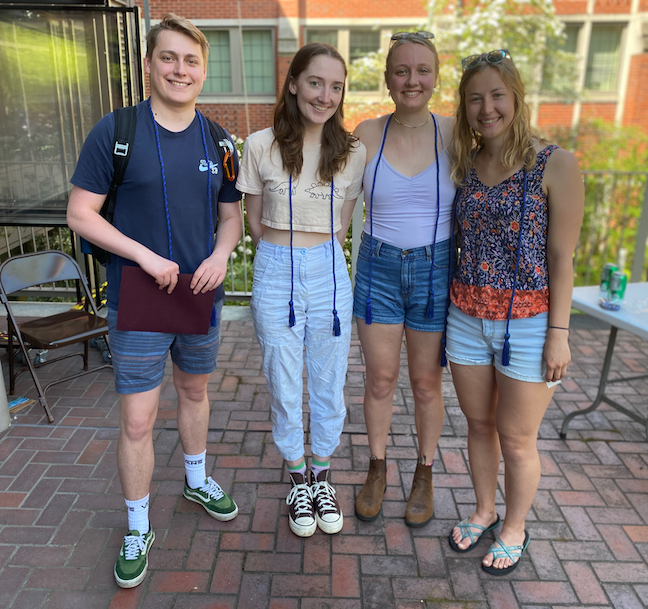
(253, 42)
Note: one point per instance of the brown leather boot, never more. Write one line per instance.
(420, 503)
(369, 499)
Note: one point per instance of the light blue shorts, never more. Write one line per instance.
(479, 342)
(400, 284)
(139, 358)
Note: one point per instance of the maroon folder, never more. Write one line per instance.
(144, 307)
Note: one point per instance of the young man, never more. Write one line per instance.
(164, 224)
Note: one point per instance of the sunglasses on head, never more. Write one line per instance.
(412, 35)
(493, 57)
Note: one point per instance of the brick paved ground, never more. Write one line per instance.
(62, 517)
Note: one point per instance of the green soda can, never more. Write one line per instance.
(606, 275)
(618, 282)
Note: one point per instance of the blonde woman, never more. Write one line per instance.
(519, 213)
(402, 273)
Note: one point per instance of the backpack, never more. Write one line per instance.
(124, 134)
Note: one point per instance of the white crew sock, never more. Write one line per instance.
(138, 515)
(195, 469)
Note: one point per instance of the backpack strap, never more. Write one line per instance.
(125, 125)
(124, 135)
(224, 147)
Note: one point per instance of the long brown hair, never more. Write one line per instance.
(288, 127)
(520, 140)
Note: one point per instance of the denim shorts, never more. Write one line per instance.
(400, 284)
(479, 342)
(139, 358)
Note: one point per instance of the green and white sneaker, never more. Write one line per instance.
(132, 563)
(213, 498)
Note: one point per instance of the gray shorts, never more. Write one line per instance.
(139, 358)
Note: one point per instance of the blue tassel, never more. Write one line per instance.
(336, 324)
(506, 351)
(430, 307)
(212, 321)
(444, 359)
(291, 315)
(368, 312)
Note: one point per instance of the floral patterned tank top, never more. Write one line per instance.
(489, 224)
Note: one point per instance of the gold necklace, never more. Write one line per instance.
(413, 126)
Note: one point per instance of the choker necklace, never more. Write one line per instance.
(413, 126)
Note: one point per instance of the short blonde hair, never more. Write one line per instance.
(174, 23)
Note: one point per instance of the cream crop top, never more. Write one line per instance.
(261, 173)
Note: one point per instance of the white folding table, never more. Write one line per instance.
(632, 317)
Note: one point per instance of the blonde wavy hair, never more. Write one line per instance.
(519, 144)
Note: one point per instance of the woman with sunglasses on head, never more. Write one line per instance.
(401, 281)
(519, 213)
(302, 178)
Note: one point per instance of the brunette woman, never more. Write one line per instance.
(302, 178)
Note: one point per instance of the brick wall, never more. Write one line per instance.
(594, 110)
(612, 6)
(209, 9)
(635, 109)
(262, 9)
(570, 7)
(344, 9)
(232, 116)
(555, 115)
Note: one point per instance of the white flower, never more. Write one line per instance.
(240, 248)
(233, 255)
(248, 238)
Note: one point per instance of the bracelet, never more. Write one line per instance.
(558, 328)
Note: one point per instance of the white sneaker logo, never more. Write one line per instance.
(203, 167)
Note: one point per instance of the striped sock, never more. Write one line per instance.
(319, 466)
(298, 469)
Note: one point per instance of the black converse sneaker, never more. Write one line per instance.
(301, 515)
(327, 509)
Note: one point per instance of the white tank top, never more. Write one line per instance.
(404, 208)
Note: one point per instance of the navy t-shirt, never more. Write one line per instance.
(139, 206)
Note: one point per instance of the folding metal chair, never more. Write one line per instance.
(55, 331)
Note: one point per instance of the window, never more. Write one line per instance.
(224, 69)
(219, 65)
(366, 64)
(603, 58)
(259, 61)
(559, 72)
(327, 36)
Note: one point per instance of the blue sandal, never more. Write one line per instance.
(502, 551)
(465, 526)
